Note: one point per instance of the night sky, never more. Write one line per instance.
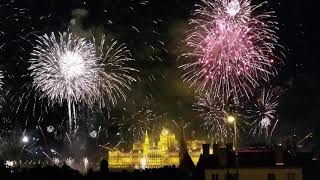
(299, 76)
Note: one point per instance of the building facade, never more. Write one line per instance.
(271, 173)
(149, 154)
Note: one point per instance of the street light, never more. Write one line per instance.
(232, 120)
(25, 139)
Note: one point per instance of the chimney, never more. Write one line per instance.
(205, 149)
(229, 147)
(215, 149)
(279, 156)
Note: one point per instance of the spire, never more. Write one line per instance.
(146, 138)
(146, 146)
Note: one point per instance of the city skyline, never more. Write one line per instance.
(81, 77)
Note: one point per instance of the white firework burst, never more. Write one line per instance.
(67, 68)
(64, 67)
(265, 112)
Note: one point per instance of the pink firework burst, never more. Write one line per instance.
(230, 46)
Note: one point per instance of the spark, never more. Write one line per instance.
(147, 33)
(15, 27)
(231, 47)
(50, 129)
(93, 134)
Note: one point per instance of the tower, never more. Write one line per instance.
(146, 144)
(163, 143)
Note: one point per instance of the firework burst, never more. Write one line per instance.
(116, 76)
(134, 125)
(231, 47)
(65, 67)
(265, 112)
(213, 112)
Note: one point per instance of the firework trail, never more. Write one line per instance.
(231, 47)
(264, 114)
(14, 27)
(1, 81)
(17, 34)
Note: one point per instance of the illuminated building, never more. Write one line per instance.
(148, 154)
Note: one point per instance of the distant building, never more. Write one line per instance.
(253, 173)
(246, 164)
(151, 155)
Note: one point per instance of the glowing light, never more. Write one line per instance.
(9, 163)
(25, 139)
(165, 132)
(233, 7)
(143, 163)
(231, 119)
(56, 161)
(85, 163)
(50, 129)
(93, 134)
(70, 162)
(72, 65)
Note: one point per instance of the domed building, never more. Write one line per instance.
(149, 154)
